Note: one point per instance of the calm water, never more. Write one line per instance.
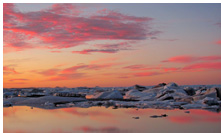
(21, 119)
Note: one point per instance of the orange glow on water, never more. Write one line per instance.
(100, 119)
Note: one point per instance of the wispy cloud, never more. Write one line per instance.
(189, 59)
(18, 79)
(9, 70)
(171, 69)
(74, 72)
(49, 72)
(204, 65)
(69, 76)
(55, 51)
(89, 51)
(142, 67)
(144, 74)
(107, 48)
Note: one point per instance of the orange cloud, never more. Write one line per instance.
(49, 72)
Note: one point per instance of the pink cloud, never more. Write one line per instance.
(143, 74)
(9, 70)
(165, 70)
(171, 69)
(55, 51)
(107, 48)
(89, 67)
(218, 42)
(49, 72)
(204, 65)
(115, 47)
(210, 58)
(142, 67)
(73, 72)
(181, 59)
(73, 69)
(135, 67)
(65, 26)
(89, 51)
(189, 59)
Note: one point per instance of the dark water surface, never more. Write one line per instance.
(23, 119)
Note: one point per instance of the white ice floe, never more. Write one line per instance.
(108, 95)
(164, 96)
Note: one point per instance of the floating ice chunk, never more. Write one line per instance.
(140, 88)
(210, 101)
(108, 95)
(166, 97)
(190, 91)
(68, 94)
(171, 84)
(193, 106)
(134, 94)
(48, 104)
(211, 92)
(160, 85)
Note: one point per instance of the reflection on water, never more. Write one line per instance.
(21, 119)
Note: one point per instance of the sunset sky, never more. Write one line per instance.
(48, 45)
